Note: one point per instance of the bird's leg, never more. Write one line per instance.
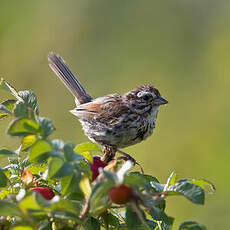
(128, 157)
(109, 153)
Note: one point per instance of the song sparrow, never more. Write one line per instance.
(114, 121)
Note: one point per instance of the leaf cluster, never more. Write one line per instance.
(79, 202)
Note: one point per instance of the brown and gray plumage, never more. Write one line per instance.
(114, 121)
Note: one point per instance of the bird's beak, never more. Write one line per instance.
(160, 101)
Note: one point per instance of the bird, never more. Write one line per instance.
(113, 121)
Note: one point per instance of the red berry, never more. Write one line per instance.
(121, 194)
(46, 192)
(97, 163)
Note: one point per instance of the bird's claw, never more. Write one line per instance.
(126, 156)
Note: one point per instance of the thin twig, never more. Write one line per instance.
(85, 210)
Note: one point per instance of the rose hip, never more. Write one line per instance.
(46, 192)
(97, 163)
(121, 194)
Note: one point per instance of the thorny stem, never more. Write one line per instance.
(105, 219)
(120, 217)
(159, 224)
(85, 210)
(136, 209)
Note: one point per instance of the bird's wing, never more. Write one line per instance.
(107, 109)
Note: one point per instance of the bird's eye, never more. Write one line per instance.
(145, 96)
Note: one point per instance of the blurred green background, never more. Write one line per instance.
(182, 47)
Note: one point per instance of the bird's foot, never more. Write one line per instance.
(109, 153)
(126, 157)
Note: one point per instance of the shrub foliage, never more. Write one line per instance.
(52, 184)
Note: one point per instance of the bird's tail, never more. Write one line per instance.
(60, 68)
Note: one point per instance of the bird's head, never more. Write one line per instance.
(145, 97)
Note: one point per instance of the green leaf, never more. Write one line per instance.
(200, 182)
(25, 163)
(30, 203)
(92, 224)
(58, 204)
(64, 215)
(85, 187)
(59, 168)
(58, 144)
(54, 165)
(159, 215)
(111, 220)
(3, 115)
(139, 181)
(4, 193)
(9, 209)
(67, 205)
(133, 220)
(23, 127)
(163, 226)
(41, 201)
(28, 141)
(111, 176)
(46, 125)
(66, 183)
(9, 104)
(7, 87)
(191, 225)
(3, 179)
(88, 156)
(70, 185)
(40, 150)
(37, 168)
(191, 191)
(4, 112)
(69, 153)
(46, 225)
(87, 146)
(171, 181)
(99, 197)
(23, 227)
(65, 170)
(87, 150)
(30, 99)
(6, 153)
(157, 186)
(20, 110)
(153, 200)
(6, 108)
(148, 178)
